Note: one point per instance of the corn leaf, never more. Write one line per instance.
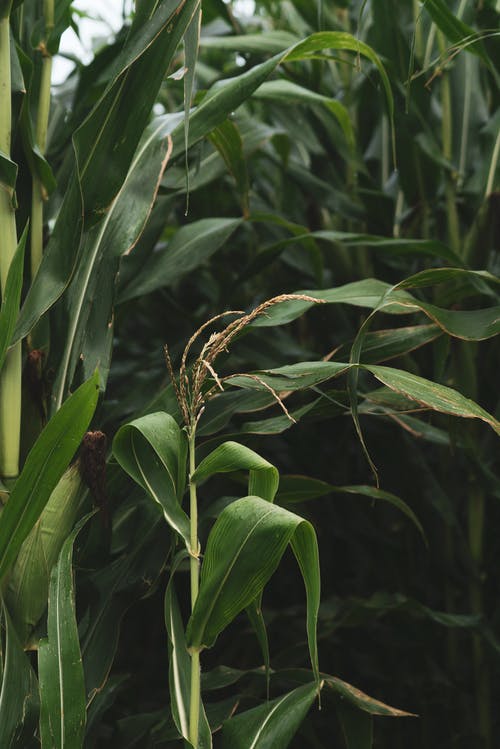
(19, 692)
(105, 144)
(272, 725)
(45, 464)
(60, 669)
(231, 456)
(86, 313)
(191, 246)
(243, 550)
(152, 450)
(180, 672)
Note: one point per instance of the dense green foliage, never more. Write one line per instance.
(320, 182)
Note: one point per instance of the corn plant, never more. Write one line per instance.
(339, 160)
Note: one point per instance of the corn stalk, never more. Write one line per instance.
(10, 377)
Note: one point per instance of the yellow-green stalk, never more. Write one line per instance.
(195, 696)
(42, 120)
(10, 377)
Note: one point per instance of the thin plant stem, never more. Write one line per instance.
(38, 193)
(10, 377)
(447, 147)
(476, 513)
(490, 182)
(465, 120)
(419, 40)
(195, 697)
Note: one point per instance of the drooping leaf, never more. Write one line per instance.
(243, 550)
(86, 313)
(231, 456)
(189, 247)
(272, 725)
(432, 395)
(301, 488)
(105, 144)
(429, 394)
(44, 466)
(19, 692)
(60, 669)
(227, 95)
(152, 450)
(289, 92)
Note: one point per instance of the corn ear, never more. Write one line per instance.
(27, 589)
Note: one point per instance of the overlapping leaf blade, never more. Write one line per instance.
(272, 725)
(62, 683)
(231, 456)
(19, 692)
(105, 144)
(243, 550)
(45, 464)
(152, 450)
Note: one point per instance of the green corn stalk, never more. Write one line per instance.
(10, 377)
(37, 199)
(28, 586)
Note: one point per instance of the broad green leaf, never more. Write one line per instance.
(12, 297)
(231, 456)
(432, 395)
(104, 146)
(339, 40)
(427, 393)
(387, 344)
(180, 672)
(366, 293)
(345, 691)
(272, 725)
(19, 692)
(278, 424)
(243, 550)
(189, 247)
(227, 95)
(302, 488)
(28, 585)
(474, 325)
(291, 93)
(44, 466)
(361, 700)
(391, 245)
(60, 669)
(152, 450)
(292, 376)
(86, 314)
